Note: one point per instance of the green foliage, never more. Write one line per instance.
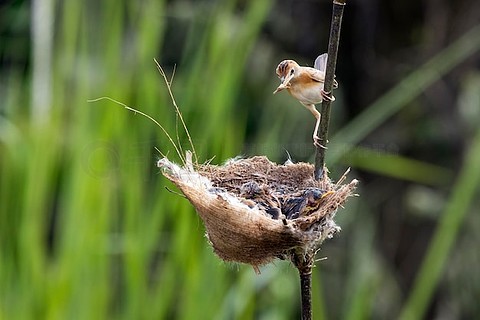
(454, 214)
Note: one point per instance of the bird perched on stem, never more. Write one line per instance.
(306, 85)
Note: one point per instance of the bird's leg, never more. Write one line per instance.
(325, 95)
(318, 116)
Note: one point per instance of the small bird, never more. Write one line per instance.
(254, 194)
(304, 203)
(306, 85)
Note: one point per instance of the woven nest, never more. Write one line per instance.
(255, 211)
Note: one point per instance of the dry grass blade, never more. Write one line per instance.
(177, 110)
(179, 153)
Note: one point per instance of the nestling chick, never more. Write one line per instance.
(306, 85)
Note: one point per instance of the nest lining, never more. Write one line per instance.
(255, 211)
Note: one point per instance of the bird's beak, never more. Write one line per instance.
(279, 88)
(285, 83)
(326, 194)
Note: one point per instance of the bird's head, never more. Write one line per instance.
(286, 70)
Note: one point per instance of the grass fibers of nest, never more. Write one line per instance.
(255, 210)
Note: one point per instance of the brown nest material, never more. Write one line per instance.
(255, 211)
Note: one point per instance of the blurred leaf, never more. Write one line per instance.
(406, 90)
(396, 166)
(469, 101)
(463, 192)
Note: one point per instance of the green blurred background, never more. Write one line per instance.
(87, 229)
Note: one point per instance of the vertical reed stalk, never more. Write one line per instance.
(304, 263)
(333, 43)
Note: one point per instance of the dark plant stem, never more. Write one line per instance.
(306, 285)
(305, 261)
(333, 43)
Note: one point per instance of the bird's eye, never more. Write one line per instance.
(292, 71)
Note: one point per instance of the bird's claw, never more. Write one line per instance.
(316, 143)
(326, 96)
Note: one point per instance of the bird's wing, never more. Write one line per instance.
(315, 74)
(321, 62)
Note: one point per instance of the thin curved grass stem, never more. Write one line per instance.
(177, 110)
(146, 116)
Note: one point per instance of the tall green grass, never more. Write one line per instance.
(87, 229)
(122, 245)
